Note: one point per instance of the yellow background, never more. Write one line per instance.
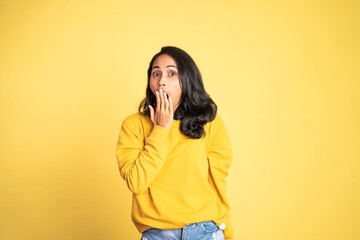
(284, 74)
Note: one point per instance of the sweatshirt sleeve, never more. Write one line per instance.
(220, 157)
(140, 158)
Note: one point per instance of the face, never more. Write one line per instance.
(165, 76)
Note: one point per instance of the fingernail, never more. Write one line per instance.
(157, 92)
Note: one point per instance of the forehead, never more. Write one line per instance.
(164, 60)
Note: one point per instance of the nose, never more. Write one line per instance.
(162, 81)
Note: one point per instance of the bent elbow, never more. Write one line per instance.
(136, 188)
(139, 190)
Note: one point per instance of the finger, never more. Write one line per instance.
(151, 113)
(157, 101)
(171, 106)
(161, 100)
(166, 102)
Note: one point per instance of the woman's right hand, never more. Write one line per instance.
(163, 116)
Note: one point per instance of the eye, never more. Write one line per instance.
(172, 73)
(155, 74)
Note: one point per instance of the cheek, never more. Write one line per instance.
(176, 93)
(153, 87)
(179, 94)
(178, 90)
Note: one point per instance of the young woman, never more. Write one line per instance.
(174, 155)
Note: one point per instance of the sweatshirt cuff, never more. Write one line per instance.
(159, 132)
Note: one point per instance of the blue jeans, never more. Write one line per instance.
(196, 231)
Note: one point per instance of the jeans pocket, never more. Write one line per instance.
(152, 230)
(209, 226)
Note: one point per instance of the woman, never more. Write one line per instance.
(175, 154)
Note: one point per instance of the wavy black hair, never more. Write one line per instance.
(196, 107)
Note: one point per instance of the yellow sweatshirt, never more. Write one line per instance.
(175, 180)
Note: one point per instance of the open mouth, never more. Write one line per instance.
(167, 95)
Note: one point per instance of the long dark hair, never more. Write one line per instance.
(196, 108)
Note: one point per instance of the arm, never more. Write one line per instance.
(140, 162)
(220, 157)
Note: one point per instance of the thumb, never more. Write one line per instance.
(151, 113)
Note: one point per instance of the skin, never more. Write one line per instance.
(165, 85)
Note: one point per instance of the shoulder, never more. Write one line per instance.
(217, 133)
(133, 123)
(218, 119)
(214, 126)
(135, 119)
(136, 125)
(217, 122)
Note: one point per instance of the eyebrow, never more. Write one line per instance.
(166, 66)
